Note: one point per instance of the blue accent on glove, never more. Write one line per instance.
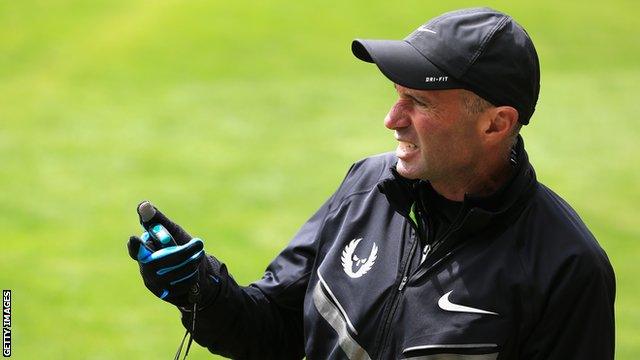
(183, 278)
(193, 257)
(171, 250)
(164, 294)
(143, 252)
(160, 233)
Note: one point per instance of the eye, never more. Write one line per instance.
(418, 102)
(415, 101)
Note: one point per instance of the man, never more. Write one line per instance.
(447, 249)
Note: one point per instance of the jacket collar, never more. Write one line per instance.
(478, 212)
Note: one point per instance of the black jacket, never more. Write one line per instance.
(517, 276)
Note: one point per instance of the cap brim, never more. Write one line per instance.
(403, 64)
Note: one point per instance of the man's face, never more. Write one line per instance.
(437, 138)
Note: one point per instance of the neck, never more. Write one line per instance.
(481, 181)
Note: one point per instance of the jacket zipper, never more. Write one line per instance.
(428, 250)
(431, 248)
(396, 296)
(422, 269)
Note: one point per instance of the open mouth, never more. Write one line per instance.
(407, 146)
(406, 150)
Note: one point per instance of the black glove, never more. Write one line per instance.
(173, 264)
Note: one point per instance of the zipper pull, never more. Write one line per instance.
(425, 253)
(402, 283)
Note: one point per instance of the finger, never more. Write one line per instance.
(137, 249)
(190, 262)
(133, 245)
(162, 236)
(148, 241)
(179, 234)
(174, 255)
(146, 211)
(150, 215)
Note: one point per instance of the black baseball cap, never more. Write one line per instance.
(479, 49)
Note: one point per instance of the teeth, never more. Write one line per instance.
(407, 145)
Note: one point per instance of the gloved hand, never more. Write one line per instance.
(173, 265)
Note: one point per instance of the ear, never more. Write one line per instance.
(499, 123)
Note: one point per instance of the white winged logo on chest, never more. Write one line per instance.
(350, 260)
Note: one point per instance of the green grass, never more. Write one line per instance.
(239, 119)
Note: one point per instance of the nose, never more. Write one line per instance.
(398, 117)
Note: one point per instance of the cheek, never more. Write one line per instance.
(430, 130)
(464, 144)
(441, 140)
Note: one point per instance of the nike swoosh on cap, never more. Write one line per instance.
(446, 304)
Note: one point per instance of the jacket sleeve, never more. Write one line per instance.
(577, 321)
(265, 319)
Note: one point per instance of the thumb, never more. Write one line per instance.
(138, 250)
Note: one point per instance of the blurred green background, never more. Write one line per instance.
(238, 119)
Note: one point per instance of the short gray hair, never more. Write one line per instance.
(475, 105)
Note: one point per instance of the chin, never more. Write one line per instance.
(407, 171)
